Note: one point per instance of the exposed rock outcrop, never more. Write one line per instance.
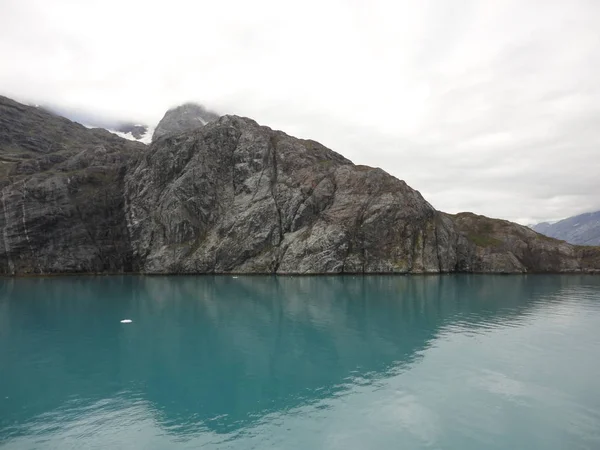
(61, 195)
(232, 196)
(503, 246)
(237, 197)
(188, 116)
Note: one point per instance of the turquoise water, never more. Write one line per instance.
(379, 362)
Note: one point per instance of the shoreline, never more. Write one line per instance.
(594, 272)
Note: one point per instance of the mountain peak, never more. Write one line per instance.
(182, 118)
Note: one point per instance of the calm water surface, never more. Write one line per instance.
(440, 362)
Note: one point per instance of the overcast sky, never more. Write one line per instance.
(490, 106)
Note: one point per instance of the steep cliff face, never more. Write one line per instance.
(237, 197)
(61, 195)
(232, 196)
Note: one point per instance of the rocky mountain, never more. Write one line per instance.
(583, 229)
(62, 207)
(232, 196)
(183, 118)
(503, 246)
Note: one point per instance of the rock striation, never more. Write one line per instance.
(61, 194)
(506, 247)
(232, 196)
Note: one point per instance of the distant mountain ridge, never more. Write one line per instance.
(133, 132)
(583, 229)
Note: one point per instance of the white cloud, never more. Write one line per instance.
(482, 105)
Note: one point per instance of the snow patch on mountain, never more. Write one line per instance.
(145, 138)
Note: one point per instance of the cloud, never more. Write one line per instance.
(486, 106)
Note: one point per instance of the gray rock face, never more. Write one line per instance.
(61, 197)
(583, 229)
(237, 197)
(507, 247)
(232, 196)
(183, 118)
